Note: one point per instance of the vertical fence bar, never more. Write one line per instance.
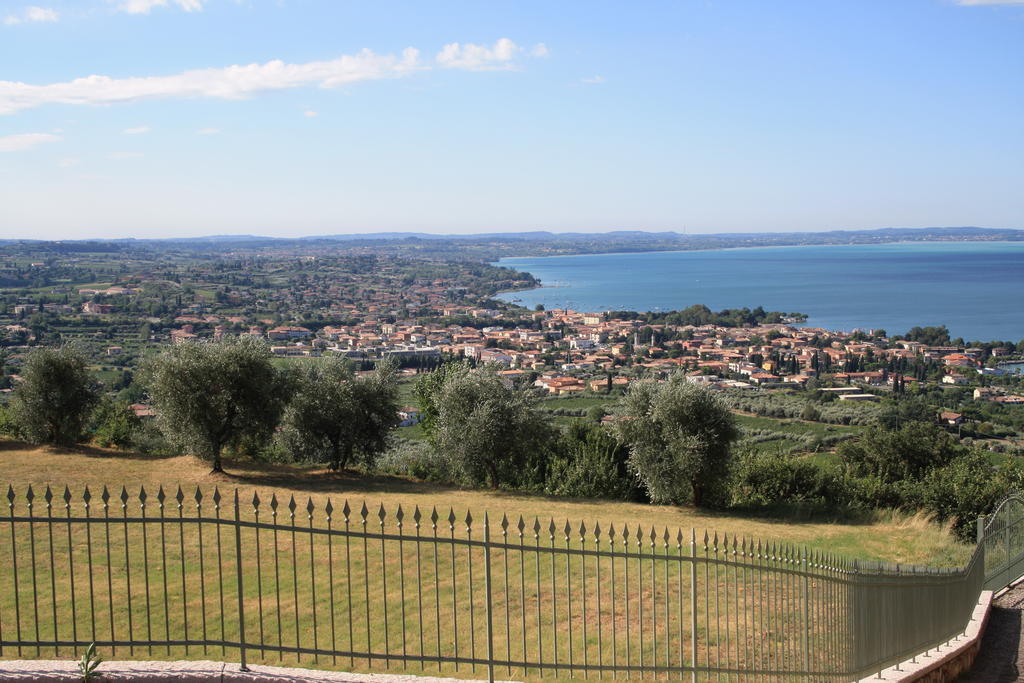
(693, 604)
(220, 571)
(14, 567)
(487, 591)
(241, 590)
(312, 579)
(259, 572)
(127, 570)
(145, 567)
(86, 496)
(48, 497)
(161, 497)
(180, 497)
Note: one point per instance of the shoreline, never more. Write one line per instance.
(745, 247)
(1003, 249)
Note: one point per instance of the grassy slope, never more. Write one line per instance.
(894, 539)
(291, 595)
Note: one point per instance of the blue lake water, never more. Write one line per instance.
(976, 289)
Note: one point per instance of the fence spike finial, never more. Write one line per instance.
(10, 495)
(567, 530)
(451, 519)
(536, 528)
(291, 506)
(199, 497)
(551, 529)
(417, 516)
(583, 532)
(124, 497)
(142, 496)
(273, 504)
(216, 498)
(520, 525)
(469, 521)
(255, 501)
(86, 495)
(504, 524)
(400, 515)
(597, 532)
(48, 496)
(382, 514)
(179, 496)
(329, 509)
(346, 510)
(433, 517)
(161, 496)
(310, 508)
(105, 496)
(67, 496)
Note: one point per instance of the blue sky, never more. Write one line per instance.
(151, 118)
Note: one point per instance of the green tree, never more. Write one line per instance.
(115, 424)
(492, 432)
(333, 415)
(907, 453)
(55, 397)
(679, 436)
(208, 396)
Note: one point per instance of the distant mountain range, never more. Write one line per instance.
(494, 245)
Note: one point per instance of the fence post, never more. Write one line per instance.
(487, 589)
(238, 570)
(693, 603)
(807, 611)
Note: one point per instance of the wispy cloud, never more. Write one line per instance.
(241, 81)
(230, 83)
(68, 163)
(138, 130)
(124, 155)
(147, 6)
(32, 14)
(16, 143)
(482, 58)
(593, 79)
(969, 3)
(309, 113)
(208, 131)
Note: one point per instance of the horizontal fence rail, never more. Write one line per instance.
(266, 580)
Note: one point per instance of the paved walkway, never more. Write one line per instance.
(1001, 659)
(62, 671)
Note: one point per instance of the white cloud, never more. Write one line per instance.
(230, 83)
(16, 143)
(68, 163)
(482, 58)
(146, 6)
(138, 130)
(969, 3)
(309, 113)
(593, 79)
(125, 155)
(208, 131)
(32, 14)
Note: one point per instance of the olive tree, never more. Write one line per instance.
(55, 397)
(334, 416)
(490, 430)
(679, 436)
(210, 395)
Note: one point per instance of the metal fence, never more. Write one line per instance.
(187, 575)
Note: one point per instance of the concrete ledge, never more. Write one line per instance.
(947, 661)
(62, 671)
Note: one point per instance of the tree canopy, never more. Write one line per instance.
(55, 397)
(490, 430)
(334, 416)
(679, 436)
(211, 395)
